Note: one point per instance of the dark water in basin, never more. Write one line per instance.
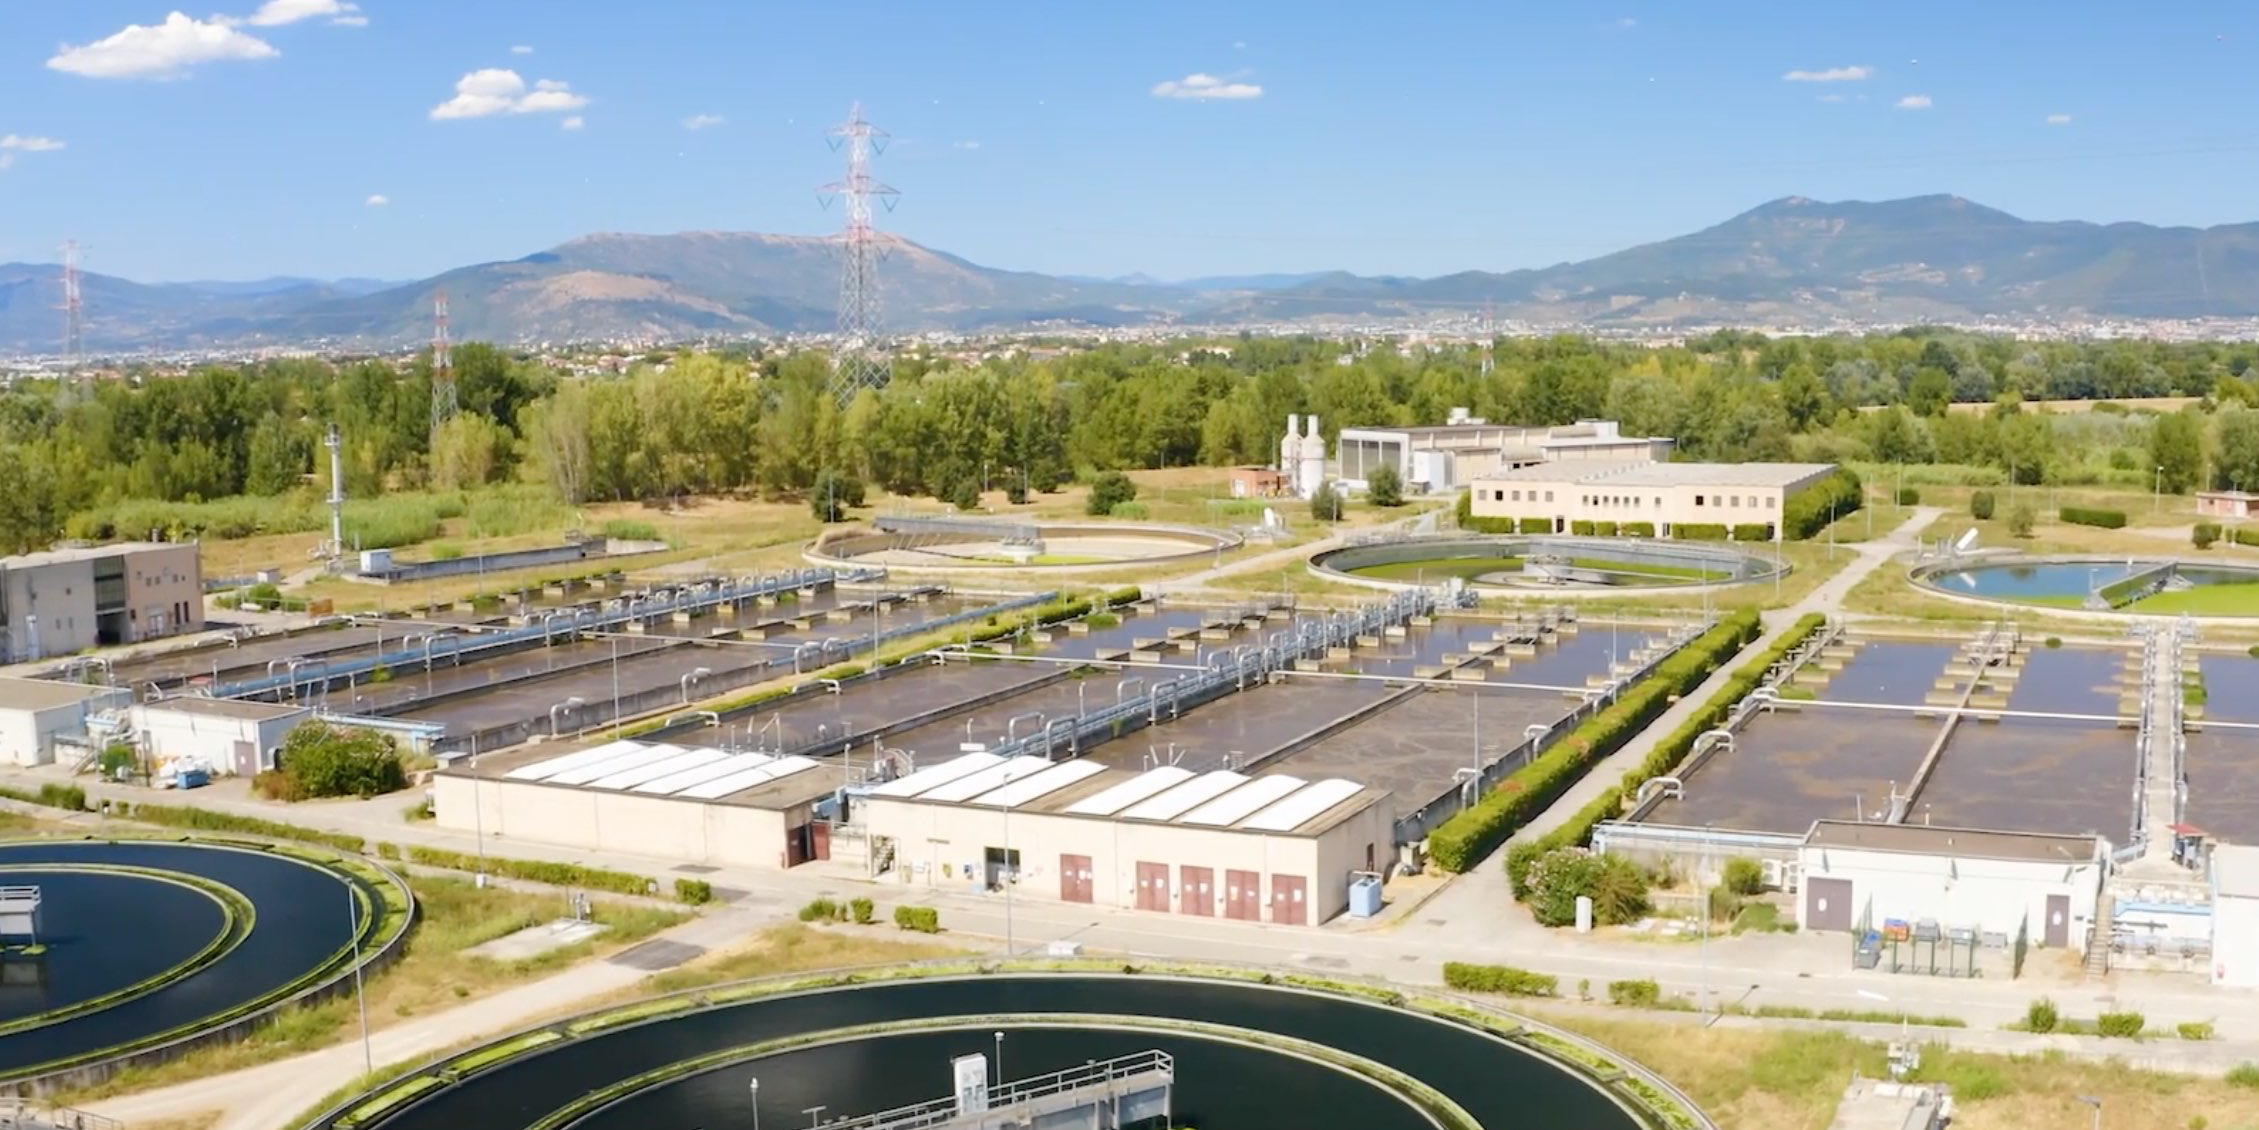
(96, 930)
(1499, 1085)
(302, 920)
(1217, 1084)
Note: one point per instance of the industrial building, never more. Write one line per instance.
(219, 735)
(1456, 453)
(1263, 848)
(1865, 876)
(1663, 495)
(36, 715)
(2235, 915)
(697, 805)
(64, 601)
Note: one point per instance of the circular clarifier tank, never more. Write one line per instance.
(2138, 586)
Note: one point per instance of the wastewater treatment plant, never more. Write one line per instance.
(2138, 586)
(1547, 566)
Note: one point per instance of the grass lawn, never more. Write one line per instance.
(435, 974)
(2203, 600)
(798, 948)
(1792, 1080)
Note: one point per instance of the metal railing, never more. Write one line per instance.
(939, 1112)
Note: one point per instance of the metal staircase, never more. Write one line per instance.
(2098, 939)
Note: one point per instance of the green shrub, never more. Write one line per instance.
(1536, 526)
(1980, 505)
(2120, 1025)
(1554, 882)
(629, 529)
(321, 760)
(864, 910)
(2195, 1029)
(2244, 535)
(1699, 531)
(535, 871)
(1605, 529)
(1384, 486)
(2203, 534)
(2041, 1016)
(1499, 979)
(1639, 529)
(2089, 516)
(1467, 836)
(2021, 520)
(694, 892)
(1634, 994)
(69, 798)
(1753, 531)
(833, 494)
(1581, 527)
(1744, 876)
(1326, 505)
(1811, 510)
(388, 851)
(923, 919)
(965, 495)
(820, 910)
(2244, 1075)
(2054, 642)
(1908, 496)
(1108, 491)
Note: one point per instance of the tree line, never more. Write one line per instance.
(764, 421)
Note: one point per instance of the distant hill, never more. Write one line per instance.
(1791, 262)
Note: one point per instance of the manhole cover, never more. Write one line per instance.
(657, 954)
(696, 869)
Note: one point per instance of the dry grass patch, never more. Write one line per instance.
(1753, 1079)
(796, 948)
(204, 1120)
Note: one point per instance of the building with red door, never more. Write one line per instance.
(1261, 848)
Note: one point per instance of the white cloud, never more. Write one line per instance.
(521, 49)
(574, 122)
(166, 50)
(1832, 74)
(275, 13)
(29, 143)
(1914, 102)
(377, 200)
(966, 144)
(703, 121)
(2058, 119)
(1206, 86)
(350, 21)
(495, 90)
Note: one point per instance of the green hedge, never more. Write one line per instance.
(923, 919)
(1582, 527)
(535, 871)
(1606, 529)
(2089, 516)
(1810, 510)
(1908, 496)
(206, 820)
(1635, 994)
(1753, 531)
(2244, 536)
(1499, 979)
(1639, 529)
(1699, 531)
(1537, 525)
(69, 798)
(1459, 842)
(694, 892)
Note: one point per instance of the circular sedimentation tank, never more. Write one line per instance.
(146, 946)
(2135, 586)
(1251, 1050)
(1552, 565)
(973, 545)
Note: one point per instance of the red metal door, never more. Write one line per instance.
(819, 840)
(796, 846)
(1153, 886)
(1196, 891)
(1243, 896)
(1074, 878)
(1289, 907)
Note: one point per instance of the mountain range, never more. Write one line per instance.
(1790, 263)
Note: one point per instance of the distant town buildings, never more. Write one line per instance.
(64, 601)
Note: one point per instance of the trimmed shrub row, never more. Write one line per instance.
(1639, 529)
(1499, 979)
(2244, 535)
(1699, 531)
(693, 892)
(1665, 757)
(923, 919)
(1810, 511)
(1457, 843)
(206, 820)
(69, 798)
(2090, 516)
(2203, 534)
(1753, 531)
(537, 871)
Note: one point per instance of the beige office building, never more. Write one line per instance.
(1665, 495)
(1451, 455)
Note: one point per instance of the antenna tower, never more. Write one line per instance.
(1488, 335)
(859, 363)
(74, 317)
(442, 368)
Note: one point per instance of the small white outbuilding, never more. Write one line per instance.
(36, 713)
(221, 735)
(2235, 915)
(1860, 875)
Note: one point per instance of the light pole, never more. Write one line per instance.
(615, 688)
(353, 927)
(1000, 1061)
(1702, 907)
(755, 1087)
(2096, 1103)
(478, 817)
(2157, 490)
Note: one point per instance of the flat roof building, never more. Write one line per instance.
(1449, 456)
(38, 714)
(218, 735)
(1263, 848)
(1662, 496)
(63, 601)
(1859, 877)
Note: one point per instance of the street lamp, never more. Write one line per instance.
(353, 927)
(2157, 490)
(1000, 1061)
(755, 1087)
(2096, 1103)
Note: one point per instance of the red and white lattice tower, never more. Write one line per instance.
(74, 315)
(860, 361)
(442, 368)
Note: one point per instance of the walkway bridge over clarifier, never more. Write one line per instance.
(1110, 1094)
(2137, 586)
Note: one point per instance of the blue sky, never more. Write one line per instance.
(1412, 138)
